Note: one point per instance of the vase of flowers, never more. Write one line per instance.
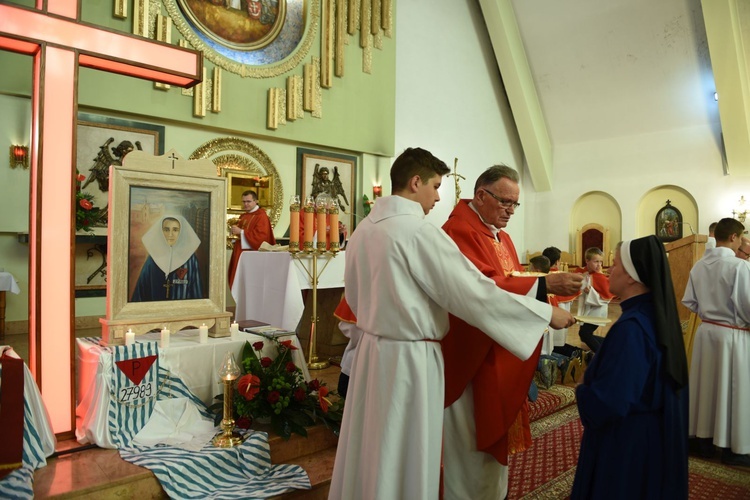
(274, 389)
(87, 214)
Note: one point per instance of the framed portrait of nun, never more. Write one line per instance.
(165, 249)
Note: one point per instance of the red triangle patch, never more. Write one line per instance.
(135, 369)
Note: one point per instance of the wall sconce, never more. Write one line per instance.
(377, 191)
(740, 213)
(19, 156)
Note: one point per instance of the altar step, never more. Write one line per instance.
(98, 473)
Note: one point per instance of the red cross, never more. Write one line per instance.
(60, 43)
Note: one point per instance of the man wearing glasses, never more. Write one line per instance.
(485, 385)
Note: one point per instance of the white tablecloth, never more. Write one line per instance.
(196, 364)
(268, 285)
(8, 283)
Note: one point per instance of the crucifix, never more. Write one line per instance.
(53, 34)
(167, 284)
(456, 176)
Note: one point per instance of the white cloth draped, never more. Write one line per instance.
(719, 291)
(402, 276)
(8, 283)
(591, 303)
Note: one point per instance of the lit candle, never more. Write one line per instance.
(129, 337)
(308, 223)
(235, 330)
(322, 206)
(294, 207)
(203, 334)
(164, 337)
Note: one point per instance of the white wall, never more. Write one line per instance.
(448, 96)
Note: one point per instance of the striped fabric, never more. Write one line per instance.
(219, 473)
(20, 482)
(125, 420)
(241, 472)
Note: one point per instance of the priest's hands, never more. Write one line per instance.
(236, 230)
(561, 319)
(564, 283)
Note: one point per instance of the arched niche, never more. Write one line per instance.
(597, 208)
(655, 199)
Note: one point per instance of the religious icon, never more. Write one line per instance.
(333, 188)
(668, 223)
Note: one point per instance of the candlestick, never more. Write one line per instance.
(164, 337)
(309, 231)
(129, 337)
(228, 372)
(203, 334)
(322, 211)
(294, 206)
(234, 328)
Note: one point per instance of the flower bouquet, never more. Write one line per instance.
(87, 214)
(276, 388)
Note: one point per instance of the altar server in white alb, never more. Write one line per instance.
(403, 275)
(719, 293)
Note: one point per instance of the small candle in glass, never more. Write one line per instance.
(322, 210)
(294, 208)
(333, 221)
(309, 210)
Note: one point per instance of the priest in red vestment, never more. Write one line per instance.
(486, 386)
(253, 228)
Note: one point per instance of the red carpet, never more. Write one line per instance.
(546, 470)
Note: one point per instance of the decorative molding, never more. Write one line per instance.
(317, 92)
(340, 38)
(199, 97)
(120, 9)
(364, 23)
(141, 12)
(294, 97)
(386, 17)
(352, 17)
(326, 43)
(163, 34)
(375, 17)
(216, 94)
(272, 120)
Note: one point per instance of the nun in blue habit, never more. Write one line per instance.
(633, 400)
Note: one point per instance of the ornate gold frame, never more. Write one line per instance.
(250, 159)
(311, 20)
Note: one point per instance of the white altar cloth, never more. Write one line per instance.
(8, 283)
(268, 285)
(195, 364)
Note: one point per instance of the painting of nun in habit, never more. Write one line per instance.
(171, 270)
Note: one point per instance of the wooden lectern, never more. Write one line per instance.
(682, 255)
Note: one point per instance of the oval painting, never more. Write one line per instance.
(238, 24)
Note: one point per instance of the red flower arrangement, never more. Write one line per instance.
(87, 214)
(276, 388)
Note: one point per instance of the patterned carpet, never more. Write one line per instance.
(546, 470)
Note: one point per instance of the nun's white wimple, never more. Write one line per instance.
(627, 261)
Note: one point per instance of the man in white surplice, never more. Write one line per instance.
(719, 293)
(403, 275)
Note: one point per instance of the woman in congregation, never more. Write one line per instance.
(633, 399)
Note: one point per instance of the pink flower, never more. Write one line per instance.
(291, 367)
(265, 362)
(273, 397)
(85, 204)
(80, 177)
(258, 346)
(248, 385)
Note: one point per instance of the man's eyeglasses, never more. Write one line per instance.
(744, 253)
(504, 203)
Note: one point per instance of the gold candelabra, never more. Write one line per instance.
(328, 213)
(229, 372)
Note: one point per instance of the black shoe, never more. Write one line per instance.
(728, 457)
(701, 447)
